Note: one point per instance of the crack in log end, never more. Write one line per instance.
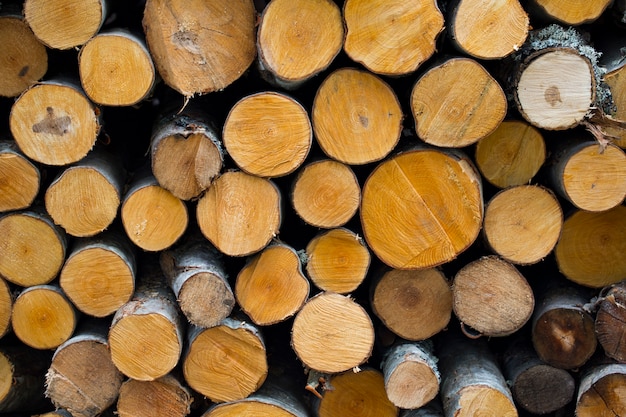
(23, 71)
(57, 126)
(552, 96)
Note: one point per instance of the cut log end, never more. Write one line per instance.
(536, 391)
(474, 398)
(575, 12)
(164, 396)
(6, 307)
(206, 299)
(609, 323)
(601, 392)
(19, 179)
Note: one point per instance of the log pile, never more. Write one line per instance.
(312, 208)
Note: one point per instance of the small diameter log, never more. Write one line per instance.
(271, 287)
(590, 176)
(99, 274)
(43, 317)
(186, 153)
(472, 384)
(268, 134)
(116, 69)
(82, 377)
(19, 178)
(23, 59)
(411, 375)
(32, 247)
(84, 198)
(6, 307)
(601, 392)
(146, 334)
(153, 218)
(488, 30)
(523, 223)
(511, 155)
(436, 198)
(356, 117)
(562, 331)
(297, 40)
(457, 103)
(536, 386)
(492, 297)
(227, 362)
(377, 33)
(57, 28)
(22, 379)
(574, 12)
(195, 272)
(54, 123)
(197, 47)
(610, 319)
(615, 78)
(337, 260)
(590, 249)
(326, 194)
(332, 333)
(240, 213)
(555, 88)
(352, 394)
(414, 305)
(165, 396)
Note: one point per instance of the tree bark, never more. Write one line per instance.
(356, 117)
(610, 319)
(457, 103)
(589, 250)
(19, 177)
(297, 40)
(601, 392)
(377, 34)
(268, 134)
(272, 287)
(436, 216)
(164, 396)
(326, 194)
(22, 371)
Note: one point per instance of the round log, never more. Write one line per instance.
(575, 12)
(19, 178)
(609, 323)
(164, 396)
(6, 307)
(601, 392)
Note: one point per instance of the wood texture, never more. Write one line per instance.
(609, 322)
(19, 178)
(601, 391)
(163, 396)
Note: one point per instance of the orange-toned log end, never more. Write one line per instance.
(19, 179)
(164, 396)
(421, 208)
(602, 393)
(575, 12)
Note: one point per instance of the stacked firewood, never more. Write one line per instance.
(312, 208)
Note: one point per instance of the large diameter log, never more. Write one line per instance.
(146, 333)
(492, 297)
(99, 274)
(337, 260)
(82, 377)
(19, 178)
(153, 218)
(32, 247)
(354, 394)
(377, 34)
(576, 12)
(240, 213)
(268, 134)
(186, 153)
(610, 319)
(54, 123)
(22, 379)
(511, 155)
(57, 28)
(488, 30)
(590, 249)
(165, 396)
(85, 197)
(326, 193)
(23, 59)
(523, 223)
(43, 317)
(227, 362)
(601, 392)
(411, 375)
(471, 381)
(200, 47)
(332, 333)
(271, 287)
(590, 176)
(116, 69)
(436, 200)
(297, 40)
(562, 331)
(356, 117)
(536, 386)
(457, 103)
(195, 272)
(414, 305)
